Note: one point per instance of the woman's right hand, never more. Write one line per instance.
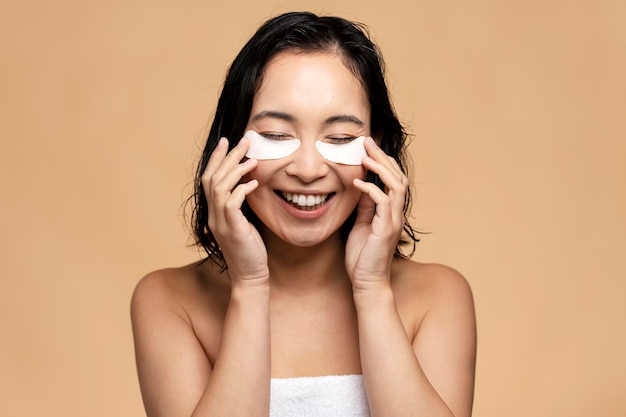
(242, 246)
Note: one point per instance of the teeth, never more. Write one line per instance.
(305, 200)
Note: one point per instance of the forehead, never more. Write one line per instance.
(296, 80)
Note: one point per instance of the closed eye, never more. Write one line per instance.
(276, 136)
(338, 140)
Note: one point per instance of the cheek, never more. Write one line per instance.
(349, 173)
(360, 172)
(261, 173)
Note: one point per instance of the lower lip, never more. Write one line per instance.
(305, 214)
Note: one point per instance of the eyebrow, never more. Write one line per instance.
(274, 115)
(340, 118)
(344, 118)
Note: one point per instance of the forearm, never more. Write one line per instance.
(239, 384)
(395, 382)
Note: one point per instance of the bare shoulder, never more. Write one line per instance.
(161, 289)
(431, 284)
(188, 304)
(178, 291)
(431, 292)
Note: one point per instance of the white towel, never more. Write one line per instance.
(319, 396)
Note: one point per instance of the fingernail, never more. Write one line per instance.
(371, 141)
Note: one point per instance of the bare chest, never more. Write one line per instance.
(315, 343)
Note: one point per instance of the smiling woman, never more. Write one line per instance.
(305, 303)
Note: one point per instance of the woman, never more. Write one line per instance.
(305, 304)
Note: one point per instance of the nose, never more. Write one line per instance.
(307, 164)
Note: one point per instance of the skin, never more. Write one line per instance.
(204, 344)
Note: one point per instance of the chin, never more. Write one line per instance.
(303, 238)
(303, 241)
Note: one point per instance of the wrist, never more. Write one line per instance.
(238, 279)
(249, 291)
(373, 296)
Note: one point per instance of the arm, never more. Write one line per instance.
(175, 374)
(446, 342)
(240, 384)
(431, 375)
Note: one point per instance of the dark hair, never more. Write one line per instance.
(303, 32)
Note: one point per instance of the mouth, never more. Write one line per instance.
(306, 202)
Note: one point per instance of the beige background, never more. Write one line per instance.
(520, 169)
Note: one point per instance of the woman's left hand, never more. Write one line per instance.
(379, 221)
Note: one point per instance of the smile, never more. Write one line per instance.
(305, 201)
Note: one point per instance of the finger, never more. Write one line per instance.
(365, 209)
(390, 174)
(226, 167)
(224, 193)
(223, 173)
(239, 151)
(395, 185)
(388, 170)
(389, 208)
(232, 206)
(222, 165)
(225, 180)
(376, 152)
(378, 160)
(226, 217)
(216, 158)
(380, 201)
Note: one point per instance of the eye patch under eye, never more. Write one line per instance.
(264, 148)
(350, 153)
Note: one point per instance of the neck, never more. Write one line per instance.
(305, 268)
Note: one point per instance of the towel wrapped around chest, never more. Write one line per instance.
(319, 396)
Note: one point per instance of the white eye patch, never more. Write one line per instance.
(264, 148)
(350, 153)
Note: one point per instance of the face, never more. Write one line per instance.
(303, 198)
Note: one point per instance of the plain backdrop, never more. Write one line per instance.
(519, 163)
